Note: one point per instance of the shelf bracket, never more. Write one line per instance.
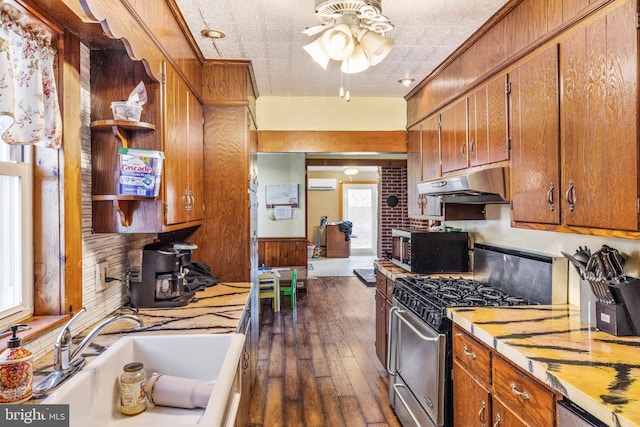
(118, 132)
(125, 209)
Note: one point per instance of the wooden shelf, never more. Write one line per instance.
(124, 205)
(103, 197)
(118, 127)
(125, 124)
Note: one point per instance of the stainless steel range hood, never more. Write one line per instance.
(481, 186)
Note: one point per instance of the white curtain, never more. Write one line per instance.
(29, 110)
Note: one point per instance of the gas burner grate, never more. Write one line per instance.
(429, 297)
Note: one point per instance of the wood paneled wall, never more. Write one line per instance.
(282, 251)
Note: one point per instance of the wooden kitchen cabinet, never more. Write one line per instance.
(183, 152)
(248, 365)
(521, 394)
(489, 390)
(454, 148)
(164, 127)
(488, 123)
(471, 399)
(504, 417)
(598, 116)
(535, 142)
(228, 238)
(383, 297)
(423, 163)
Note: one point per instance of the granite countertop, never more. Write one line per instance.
(214, 310)
(598, 371)
(390, 270)
(393, 272)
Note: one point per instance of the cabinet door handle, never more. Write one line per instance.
(469, 353)
(472, 147)
(481, 414)
(524, 395)
(245, 360)
(463, 150)
(497, 420)
(550, 202)
(570, 196)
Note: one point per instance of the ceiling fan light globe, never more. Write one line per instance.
(376, 46)
(315, 50)
(338, 42)
(356, 63)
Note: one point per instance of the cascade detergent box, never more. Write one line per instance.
(140, 172)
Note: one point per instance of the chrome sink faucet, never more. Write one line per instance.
(65, 362)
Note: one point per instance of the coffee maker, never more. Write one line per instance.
(162, 279)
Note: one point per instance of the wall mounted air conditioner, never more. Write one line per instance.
(321, 184)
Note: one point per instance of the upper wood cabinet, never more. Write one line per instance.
(168, 106)
(488, 123)
(453, 137)
(414, 170)
(599, 113)
(228, 239)
(183, 152)
(423, 162)
(430, 134)
(535, 143)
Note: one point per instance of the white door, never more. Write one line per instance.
(360, 206)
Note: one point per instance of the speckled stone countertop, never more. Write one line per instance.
(390, 270)
(598, 371)
(214, 310)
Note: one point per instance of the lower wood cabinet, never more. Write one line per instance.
(247, 367)
(471, 398)
(489, 390)
(384, 294)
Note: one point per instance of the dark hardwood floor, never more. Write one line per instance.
(317, 364)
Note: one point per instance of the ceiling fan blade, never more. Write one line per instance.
(312, 31)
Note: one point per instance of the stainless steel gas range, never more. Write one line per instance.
(419, 351)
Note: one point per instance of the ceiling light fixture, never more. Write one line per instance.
(212, 34)
(353, 32)
(406, 81)
(351, 171)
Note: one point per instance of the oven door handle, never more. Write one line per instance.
(391, 345)
(415, 330)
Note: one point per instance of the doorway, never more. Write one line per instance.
(360, 207)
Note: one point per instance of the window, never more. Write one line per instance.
(16, 246)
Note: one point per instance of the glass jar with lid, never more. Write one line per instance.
(133, 380)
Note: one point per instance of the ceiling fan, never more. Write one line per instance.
(367, 13)
(353, 31)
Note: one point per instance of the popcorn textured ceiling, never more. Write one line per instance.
(269, 34)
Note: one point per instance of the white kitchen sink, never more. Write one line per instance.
(93, 392)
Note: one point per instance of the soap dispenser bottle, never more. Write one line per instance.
(16, 370)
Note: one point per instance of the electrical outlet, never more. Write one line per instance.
(101, 276)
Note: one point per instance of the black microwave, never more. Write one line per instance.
(430, 252)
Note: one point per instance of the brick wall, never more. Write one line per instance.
(393, 182)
